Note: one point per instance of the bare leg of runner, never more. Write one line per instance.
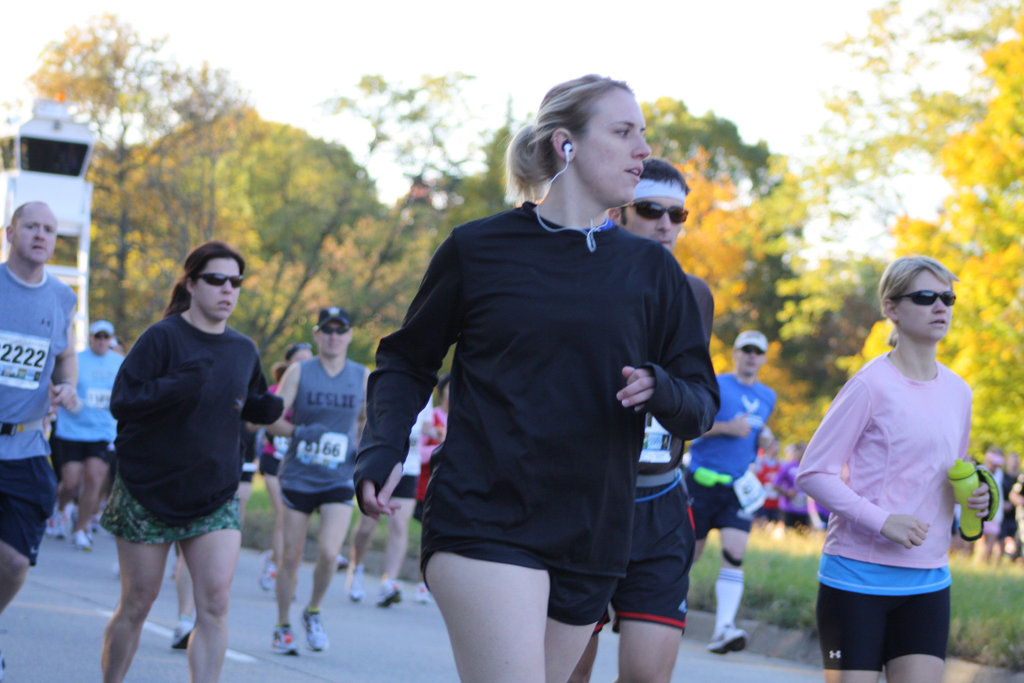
(295, 526)
(13, 570)
(92, 485)
(911, 668)
(277, 540)
(647, 651)
(142, 572)
(211, 559)
(334, 521)
(513, 640)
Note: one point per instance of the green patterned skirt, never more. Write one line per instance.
(126, 518)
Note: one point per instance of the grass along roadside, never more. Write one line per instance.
(781, 585)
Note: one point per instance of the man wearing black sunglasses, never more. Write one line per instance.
(650, 613)
(327, 399)
(725, 491)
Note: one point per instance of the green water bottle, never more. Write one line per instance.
(964, 478)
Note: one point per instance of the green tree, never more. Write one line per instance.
(978, 236)
(119, 82)
(675, 134)
(893, 123)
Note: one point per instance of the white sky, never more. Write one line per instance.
(763, 65)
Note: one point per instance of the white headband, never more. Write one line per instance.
(658, 188)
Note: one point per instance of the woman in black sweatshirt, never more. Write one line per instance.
(567, 329)
(179, 398)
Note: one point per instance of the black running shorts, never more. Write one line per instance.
(658, 576)
(307, 503)
(860, 632)
(574, 599)
(28, 490)
(716, 507)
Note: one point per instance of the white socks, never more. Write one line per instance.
(728, 591)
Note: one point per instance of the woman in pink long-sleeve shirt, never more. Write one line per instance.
(878, 462)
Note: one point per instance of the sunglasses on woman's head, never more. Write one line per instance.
(653, 211)
(926, 297)
(218, 279)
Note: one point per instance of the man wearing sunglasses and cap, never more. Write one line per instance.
(327, 399)
(650, 601)
(83, 442)
(725, 491)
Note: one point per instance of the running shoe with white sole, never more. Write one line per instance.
(284, 641)
(355, 591)
(342, 562)
(81, 541)
(422, 594)
(268, 577)
(316, 636)
(729, 639)
(182, 630)
(389, 594)
(53, 524)
(65, 523)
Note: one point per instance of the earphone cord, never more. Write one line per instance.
(589, 232)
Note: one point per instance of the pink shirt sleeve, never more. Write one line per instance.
(821, 472)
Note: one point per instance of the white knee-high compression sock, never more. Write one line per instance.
(728, 591)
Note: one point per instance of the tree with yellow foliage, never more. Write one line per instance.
(980, 237)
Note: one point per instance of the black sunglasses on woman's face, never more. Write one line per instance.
(218, 279)
(926, 297)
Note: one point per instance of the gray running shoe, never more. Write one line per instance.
(389, 594)
(284, 641)
(316, 636)
(355, 591)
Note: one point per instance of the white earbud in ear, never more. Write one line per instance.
(567, 148)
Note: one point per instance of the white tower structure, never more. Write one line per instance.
(45, 159)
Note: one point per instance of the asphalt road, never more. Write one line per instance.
(53, 631)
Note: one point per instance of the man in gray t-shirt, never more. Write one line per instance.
(38, 371)
(326, 397)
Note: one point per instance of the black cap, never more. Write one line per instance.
(332, 313)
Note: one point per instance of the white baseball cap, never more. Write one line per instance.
(751, 338)
(101, 326)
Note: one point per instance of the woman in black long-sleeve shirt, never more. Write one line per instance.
(179, 399)
(564, 335)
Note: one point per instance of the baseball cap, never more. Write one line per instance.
(332, 314)
(751, 338)
(101, 326)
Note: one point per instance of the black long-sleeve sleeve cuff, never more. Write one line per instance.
(686, 409)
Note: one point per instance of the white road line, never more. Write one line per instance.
(233, 655)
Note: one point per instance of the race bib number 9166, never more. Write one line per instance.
(330, 451)
(22, 359)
